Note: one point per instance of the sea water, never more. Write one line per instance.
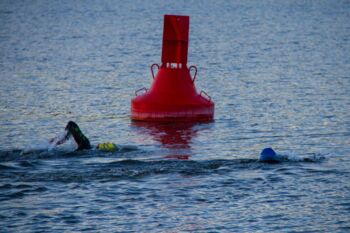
(278, 72)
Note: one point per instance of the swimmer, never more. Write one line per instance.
(268, 155)
(72, 130)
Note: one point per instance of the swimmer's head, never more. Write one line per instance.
(268, 152)
(107, 146)
(268, 155)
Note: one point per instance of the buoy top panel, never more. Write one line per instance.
(175, 39)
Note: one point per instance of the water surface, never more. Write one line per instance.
(277, 71)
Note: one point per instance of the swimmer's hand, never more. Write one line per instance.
(59, 139)
(56, 143)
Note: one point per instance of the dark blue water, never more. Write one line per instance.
(278, 71)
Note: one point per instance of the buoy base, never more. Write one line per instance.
(206, 115)
(172, 97)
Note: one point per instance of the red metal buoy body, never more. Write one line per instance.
(173, 96)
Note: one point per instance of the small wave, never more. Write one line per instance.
(6, 167)
(5, 12)
(130, 169)
(17, 154)
(41, 147)
(5, 186)
(27, 164)
(10, 191)
(127, 148)
(43, 151)
(19, 186)
(11, 196)
(23, 188)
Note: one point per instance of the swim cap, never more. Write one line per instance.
(268, 155)
(107, 146)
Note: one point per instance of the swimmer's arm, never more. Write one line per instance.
(60, 139)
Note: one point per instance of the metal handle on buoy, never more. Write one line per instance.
(155, 64)
(208, 96)
(141, 89)
(195, 73)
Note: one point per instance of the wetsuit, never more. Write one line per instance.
(73, 130)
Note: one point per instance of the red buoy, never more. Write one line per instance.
(173, 96)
